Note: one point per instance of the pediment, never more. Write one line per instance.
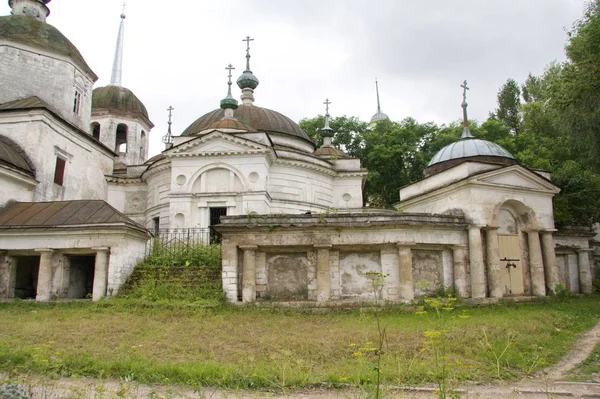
(516, 177)
(216, 143)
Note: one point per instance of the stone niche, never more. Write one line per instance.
(287, 277)
(355, 283)
(427, 271)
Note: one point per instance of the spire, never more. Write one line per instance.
(466, 131)
(168, 138)
(117, 70)
(327, 132)
(247, 81)
(229, 104)
(30, 8)
(377, 89)
(379, 116)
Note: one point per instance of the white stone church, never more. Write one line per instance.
(80, 199)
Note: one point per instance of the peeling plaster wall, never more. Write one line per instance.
(427, 272)
(287, 276)
(355, 283)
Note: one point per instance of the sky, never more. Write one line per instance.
(308, 50)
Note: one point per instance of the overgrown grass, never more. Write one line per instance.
(187, 274)
(254, 348)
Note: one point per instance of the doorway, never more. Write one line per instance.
(510, 262)
(215, 219)
(81, 276)
(28, 268)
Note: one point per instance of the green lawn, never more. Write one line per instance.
(253, 348)
(589, 370)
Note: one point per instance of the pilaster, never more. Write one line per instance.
(323, 273)
(460, 271)
(390, 267)
(549, 256)
(585, 271)
(406, 284)
(478, 286)
(538, 280)
(249, 273)
(496, 287)
(8, 276)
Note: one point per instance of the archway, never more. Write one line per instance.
(95, 128)
(121, 138)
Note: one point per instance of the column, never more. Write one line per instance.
(478, 289)
(229, 273)
(585, 272)
(8, 275)
(249, 273)
(460, 271)
(550, 266)
(390, 267)
(44, 275)
(493, 263)
(406, 285)
(323, 273)
(100, 273)
(538, 280)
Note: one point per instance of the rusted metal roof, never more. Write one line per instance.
(64, 214)
(14, 156)
(261, 119)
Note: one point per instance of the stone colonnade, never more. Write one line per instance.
(396, 263)
(52, 280)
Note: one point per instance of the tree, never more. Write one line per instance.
(509, 105)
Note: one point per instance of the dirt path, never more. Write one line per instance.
(580, 352)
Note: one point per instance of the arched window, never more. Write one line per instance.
(95, 128)
(121, 140)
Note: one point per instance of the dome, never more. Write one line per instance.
(230, 124)
(119, 99)
(261, 119)
(247, 80)
(380, 116)
(468, 148)
(43, 36)
(13, 155)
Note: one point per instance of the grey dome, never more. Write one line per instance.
(467, 148)
(380, 116)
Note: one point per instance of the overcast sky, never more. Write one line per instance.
(307, 50)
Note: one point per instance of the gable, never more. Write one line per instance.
(216, 143)
(516, 177)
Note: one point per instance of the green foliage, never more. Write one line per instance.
(579, 202)
(182, 274)
(509, 105)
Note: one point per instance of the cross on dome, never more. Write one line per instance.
(466, 131)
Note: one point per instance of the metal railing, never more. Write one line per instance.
(179, 240)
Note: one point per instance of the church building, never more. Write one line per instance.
(81, 200)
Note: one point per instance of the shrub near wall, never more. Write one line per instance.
(192, 274)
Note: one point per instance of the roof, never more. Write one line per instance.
(261, 119)
(35, 102)
(469, 147)
(231, 124)
(64, 214)
(29, 31)
(118, 99)
(331, 152)
(13, 155)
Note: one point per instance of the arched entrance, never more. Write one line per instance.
(509, 246)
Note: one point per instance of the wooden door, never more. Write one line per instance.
(512, 271)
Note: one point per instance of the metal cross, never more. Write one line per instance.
(124, 6)
(465, 88)
(230, 68)
(170, 109)
(327, 102)
(248, 40)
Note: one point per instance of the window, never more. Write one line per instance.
(59, 171)
(215, 219)
(95, 128)
(77, 102)
(121, 139)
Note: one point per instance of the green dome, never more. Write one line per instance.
(37, 34)
(118, 99)
(247, 80)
